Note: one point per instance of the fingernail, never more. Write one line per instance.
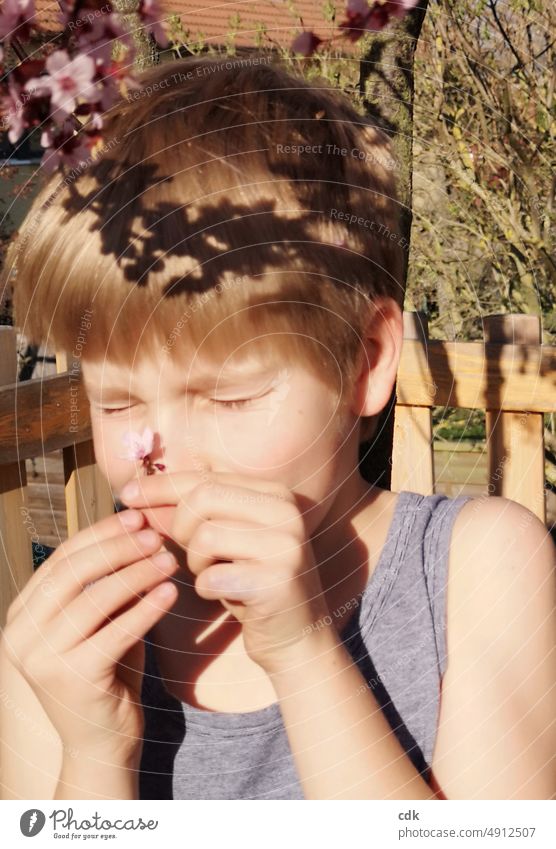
(130, 518)
(130, 490)
(148, 536)
(164, 560)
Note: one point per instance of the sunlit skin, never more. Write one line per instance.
(263, 429)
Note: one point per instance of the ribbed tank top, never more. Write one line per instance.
(396, 636)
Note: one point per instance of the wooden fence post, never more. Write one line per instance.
(515, 440)
(16, 529)
(412, 456)
(88, 496)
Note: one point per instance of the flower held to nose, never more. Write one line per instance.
(139, 447)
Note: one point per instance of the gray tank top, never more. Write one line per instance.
(396, 636)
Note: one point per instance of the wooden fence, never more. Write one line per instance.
(511, 376)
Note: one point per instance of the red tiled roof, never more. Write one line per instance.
(212, 20)
(47, 15)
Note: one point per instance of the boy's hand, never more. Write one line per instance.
(272, 584)
(75, 633)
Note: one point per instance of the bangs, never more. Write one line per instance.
(197, 227)
(198, 274)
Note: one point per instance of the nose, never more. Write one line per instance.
(177, 445)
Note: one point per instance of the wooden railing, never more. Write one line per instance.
(511, 376)
(35, 418)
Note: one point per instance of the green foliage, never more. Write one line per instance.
(484, 149)
(455, 423)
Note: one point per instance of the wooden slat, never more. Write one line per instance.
(87, 493)
(46, 497)
(412, 461)
(475, 376)
(41, 415)
(88, 496)
(17, 533)
(16, 552)
(515, 440)
(457, 374)
(453, 464)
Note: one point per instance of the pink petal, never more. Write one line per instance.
(357, 7)
(400, 8)
(83, 69)
(148, 439)
(305, 43)
(13, 14)
(150, 13)
(12, 106)
(138, 445)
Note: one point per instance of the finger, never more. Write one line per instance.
(233, 540)
(118, 523)
(69, 576)
(111, 526)
(99, 604)
(113, 641)
(159, 490)
(234, 582)
(223, 502)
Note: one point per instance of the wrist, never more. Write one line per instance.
(123, 750)
(292, 663)
(91, 776)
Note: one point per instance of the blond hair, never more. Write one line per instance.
(231, 200)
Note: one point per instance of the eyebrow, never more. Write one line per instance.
(200, 381)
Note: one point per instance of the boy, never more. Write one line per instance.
(298, 641)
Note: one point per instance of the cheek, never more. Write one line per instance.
(107, 441)
(286, 443)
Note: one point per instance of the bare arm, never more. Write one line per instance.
(33, 761)
(342, 744)
(82, 777)
(497, 730)
(31, 751)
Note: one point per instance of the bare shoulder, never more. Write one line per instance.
(497, 725)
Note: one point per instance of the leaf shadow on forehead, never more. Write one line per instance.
(217, 237)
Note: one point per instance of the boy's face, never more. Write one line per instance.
(280, 423)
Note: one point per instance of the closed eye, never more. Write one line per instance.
(233, 405)
(108, 411)
(238, 403)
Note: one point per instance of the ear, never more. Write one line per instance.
(380, 357)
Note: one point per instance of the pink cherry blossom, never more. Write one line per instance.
(110, 92)
(305, 43)
(96, 38)
(13, 14)
(357, 7)
(12, 110)
(150, 14)
(72, 152)
(139, 445)
(67, 80)
(64, 147)
(360, 18)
